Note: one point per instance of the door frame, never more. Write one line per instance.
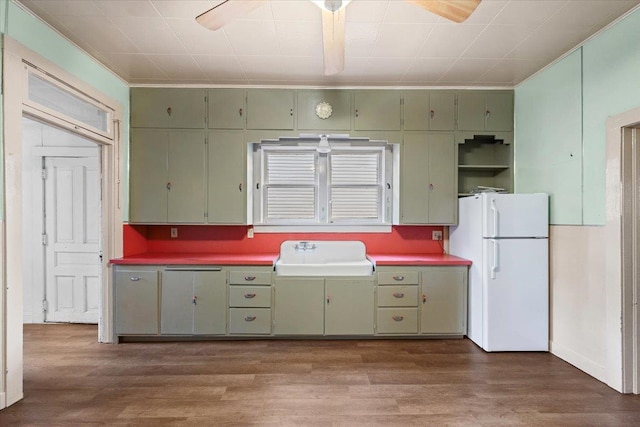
(11, 299)
(622, 350)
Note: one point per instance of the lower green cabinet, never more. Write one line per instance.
(193, 303)
(444, 300)
(317, 306)
(136, 301)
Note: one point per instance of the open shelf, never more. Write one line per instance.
(484, 161)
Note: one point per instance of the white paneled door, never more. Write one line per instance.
(72, 239)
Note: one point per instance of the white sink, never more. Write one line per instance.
(323, 258)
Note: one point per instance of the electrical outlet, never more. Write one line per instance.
(174, 232)
(436, 235)
(250, 233)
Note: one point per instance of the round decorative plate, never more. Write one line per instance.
(324, 110)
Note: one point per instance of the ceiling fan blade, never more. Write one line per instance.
(227, 11)
(454, 10)
(333, 24)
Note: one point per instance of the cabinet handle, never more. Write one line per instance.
(249, 318)
(195, 300)
(398, 294)
(257, 185)
(134, 279)
(398, 318)
(430, 187)
(357, 112)
(249, 278)
(398, 278)
(291, 112)
(388, 186)
(328, 299)
(168, 186)
(249, 296)
(169, 111)
(240, 112)
(424, 298)
(432, 113)
(240, 187)
(487, 114)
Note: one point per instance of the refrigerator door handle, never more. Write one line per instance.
(494, 261)
(494, 210)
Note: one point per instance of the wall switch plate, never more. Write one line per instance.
(250, 233)
(436, 235)
(174, 232)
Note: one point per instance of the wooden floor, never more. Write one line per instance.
(70, 379)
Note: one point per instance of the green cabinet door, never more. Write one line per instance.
(136, 302)
(270, 109)
(176, 307)
(167, 108)
(416, 110)
(428, 190)
(210, 308)
(148, 177)
(443, 192)
(499, 111)
(442, 111)
(377, 110)
(444, 300)
(349, 307)
(471, 110)
(414, 180)
(226, 108)
(299, 306)
(186, 177)
(307, 114)
(226, 183)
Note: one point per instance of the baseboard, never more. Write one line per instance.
(586, 365)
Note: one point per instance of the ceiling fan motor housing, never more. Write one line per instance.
(332, 5)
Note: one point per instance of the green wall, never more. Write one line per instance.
(563, 110)
(37, 36)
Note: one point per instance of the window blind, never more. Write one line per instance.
(291, 191)
(355, 186)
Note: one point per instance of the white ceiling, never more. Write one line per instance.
(388, 42)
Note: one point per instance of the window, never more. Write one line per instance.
(295, 183)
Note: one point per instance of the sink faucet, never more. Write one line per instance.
(304, 246)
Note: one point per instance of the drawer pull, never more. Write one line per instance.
(249, 278)
(398, 318)
(398, 294)
(249, 318)
(249, 296)
(195, 300)
(424, 298)
(134, 279)
(398, 278)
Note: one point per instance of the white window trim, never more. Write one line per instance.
(389, 203)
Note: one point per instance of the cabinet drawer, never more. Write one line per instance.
(398, 296)
(250, 277)
(250, 321)
(397, 320)
(398, 278)
(250, 296)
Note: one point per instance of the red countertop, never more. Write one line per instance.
(417, 259)
(196, 259)
(269, 259)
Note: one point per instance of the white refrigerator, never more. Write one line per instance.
(506, 238)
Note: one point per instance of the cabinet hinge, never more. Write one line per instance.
(45, 239)
(45, 305)
(44, 173)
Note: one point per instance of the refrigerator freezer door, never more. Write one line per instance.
(516, 295)
(515, 215)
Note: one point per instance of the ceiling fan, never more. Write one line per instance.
(333, 20)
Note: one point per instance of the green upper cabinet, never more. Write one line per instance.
(167, 176)
(226, 183)
(168, 108)
(377, 110)
(429, 110)
(428, 190)
(485, 111)
(270, 109)
(226, 108)
(310, 115)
